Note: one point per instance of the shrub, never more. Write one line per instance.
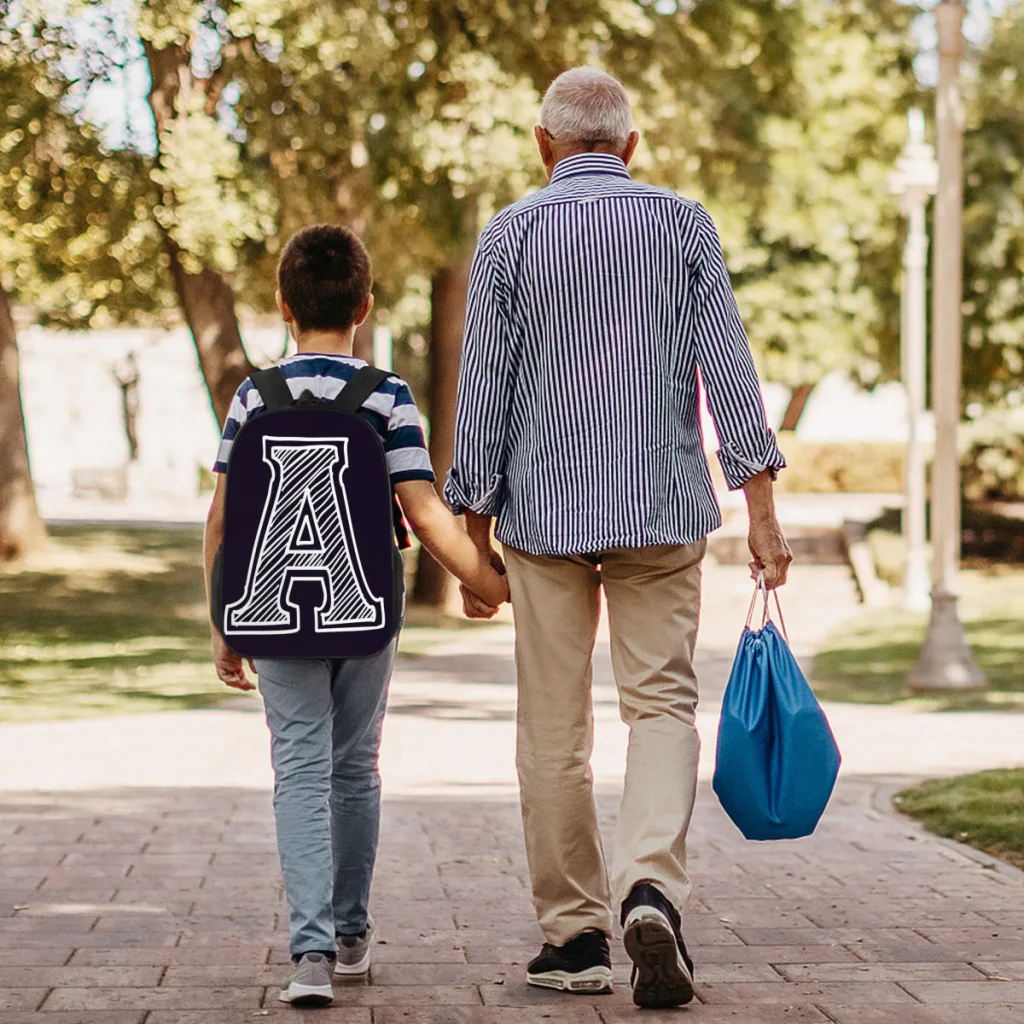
(992, 456)
(841, 467)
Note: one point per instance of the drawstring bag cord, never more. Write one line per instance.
(760, 588)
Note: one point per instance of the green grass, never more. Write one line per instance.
(867, 658)
(984, 810)
(112, 621)
(108, 621)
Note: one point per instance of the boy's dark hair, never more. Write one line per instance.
(324, 276)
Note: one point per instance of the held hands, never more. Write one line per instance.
(229, 665)
(770, 550)
(494, 591)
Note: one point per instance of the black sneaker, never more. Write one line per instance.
(662, 969)
(581, 965)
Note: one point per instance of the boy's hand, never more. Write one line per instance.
(229, 665)
(474, 607)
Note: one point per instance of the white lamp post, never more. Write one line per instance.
(945, 661)
(915, 179)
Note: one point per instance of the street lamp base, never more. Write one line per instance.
(945, 661)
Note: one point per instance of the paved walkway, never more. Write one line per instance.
(138, 877)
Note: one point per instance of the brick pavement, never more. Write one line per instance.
(164, 907)
(162, 904)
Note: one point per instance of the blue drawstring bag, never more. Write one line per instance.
(777, 760)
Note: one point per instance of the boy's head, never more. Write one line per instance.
(324, 279)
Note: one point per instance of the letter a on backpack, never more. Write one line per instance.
(306, 534)
(309, 566)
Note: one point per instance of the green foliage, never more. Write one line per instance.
(76, 238)
(213, 204)
(993, 362)
(992, 456)
(982, 810)
(817, 269)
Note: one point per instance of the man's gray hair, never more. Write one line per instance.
(587, 105)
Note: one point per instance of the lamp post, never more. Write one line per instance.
(945, 661)
(914, 180)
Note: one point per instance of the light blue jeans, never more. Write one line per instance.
(325, 722)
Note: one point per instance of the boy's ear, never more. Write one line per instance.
(364, 310)
(286, 313)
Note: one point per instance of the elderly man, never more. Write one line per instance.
(594, 305)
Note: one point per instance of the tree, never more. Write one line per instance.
(21, 529)
(993, 358)
(210, 206)
(70, 244)
(817, 263)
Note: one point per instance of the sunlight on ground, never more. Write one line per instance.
(111, 621)
(866, 659)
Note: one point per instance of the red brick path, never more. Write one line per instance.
(164, 907)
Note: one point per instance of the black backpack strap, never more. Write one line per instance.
(273, 388)
(360, 386)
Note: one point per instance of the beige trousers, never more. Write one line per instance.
(653, 601)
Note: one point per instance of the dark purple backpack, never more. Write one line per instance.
(310, 566)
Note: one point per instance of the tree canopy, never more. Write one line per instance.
(411, 121)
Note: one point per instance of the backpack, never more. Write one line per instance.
(310, 565)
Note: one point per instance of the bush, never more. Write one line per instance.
(854, 467)
(992, 456)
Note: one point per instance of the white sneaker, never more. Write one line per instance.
(310, 983)
(354, 952)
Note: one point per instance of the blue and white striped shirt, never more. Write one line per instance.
(391, 410)
(593, 305)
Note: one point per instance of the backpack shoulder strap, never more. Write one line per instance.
(359, 387)
(273, 388)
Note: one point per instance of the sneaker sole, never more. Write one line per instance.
(662, 979)
(351, 970)
(307, 995)
(592, 980)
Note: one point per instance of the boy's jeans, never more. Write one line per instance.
(325, 723)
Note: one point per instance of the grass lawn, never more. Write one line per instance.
(867, 658)
(112, 621)
(983, 810)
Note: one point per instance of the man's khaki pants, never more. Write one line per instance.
(653, 601)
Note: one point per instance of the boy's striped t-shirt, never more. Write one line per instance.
(391, 410)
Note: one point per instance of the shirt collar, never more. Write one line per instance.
(586, 164)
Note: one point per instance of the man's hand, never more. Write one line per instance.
(229, 665)
(479, 529)
(770, 550)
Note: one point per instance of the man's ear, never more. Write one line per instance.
(627, 153)
(544, 146)
(364, 310)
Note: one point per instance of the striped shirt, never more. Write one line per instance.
(594, 306)
(390, 410)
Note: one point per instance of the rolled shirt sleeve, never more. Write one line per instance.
(476, 481)
(747, 446)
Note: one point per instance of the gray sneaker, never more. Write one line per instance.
(354, 952)
(310, 983)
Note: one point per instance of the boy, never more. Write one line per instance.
(325, 715)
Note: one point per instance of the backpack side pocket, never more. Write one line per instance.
(399, 586)
(217, 591)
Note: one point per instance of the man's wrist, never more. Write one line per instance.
(479, 529)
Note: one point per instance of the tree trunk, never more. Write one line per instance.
(447, 320)
(208, 305)
(21, 529)
(795, 409)
(206, 299)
